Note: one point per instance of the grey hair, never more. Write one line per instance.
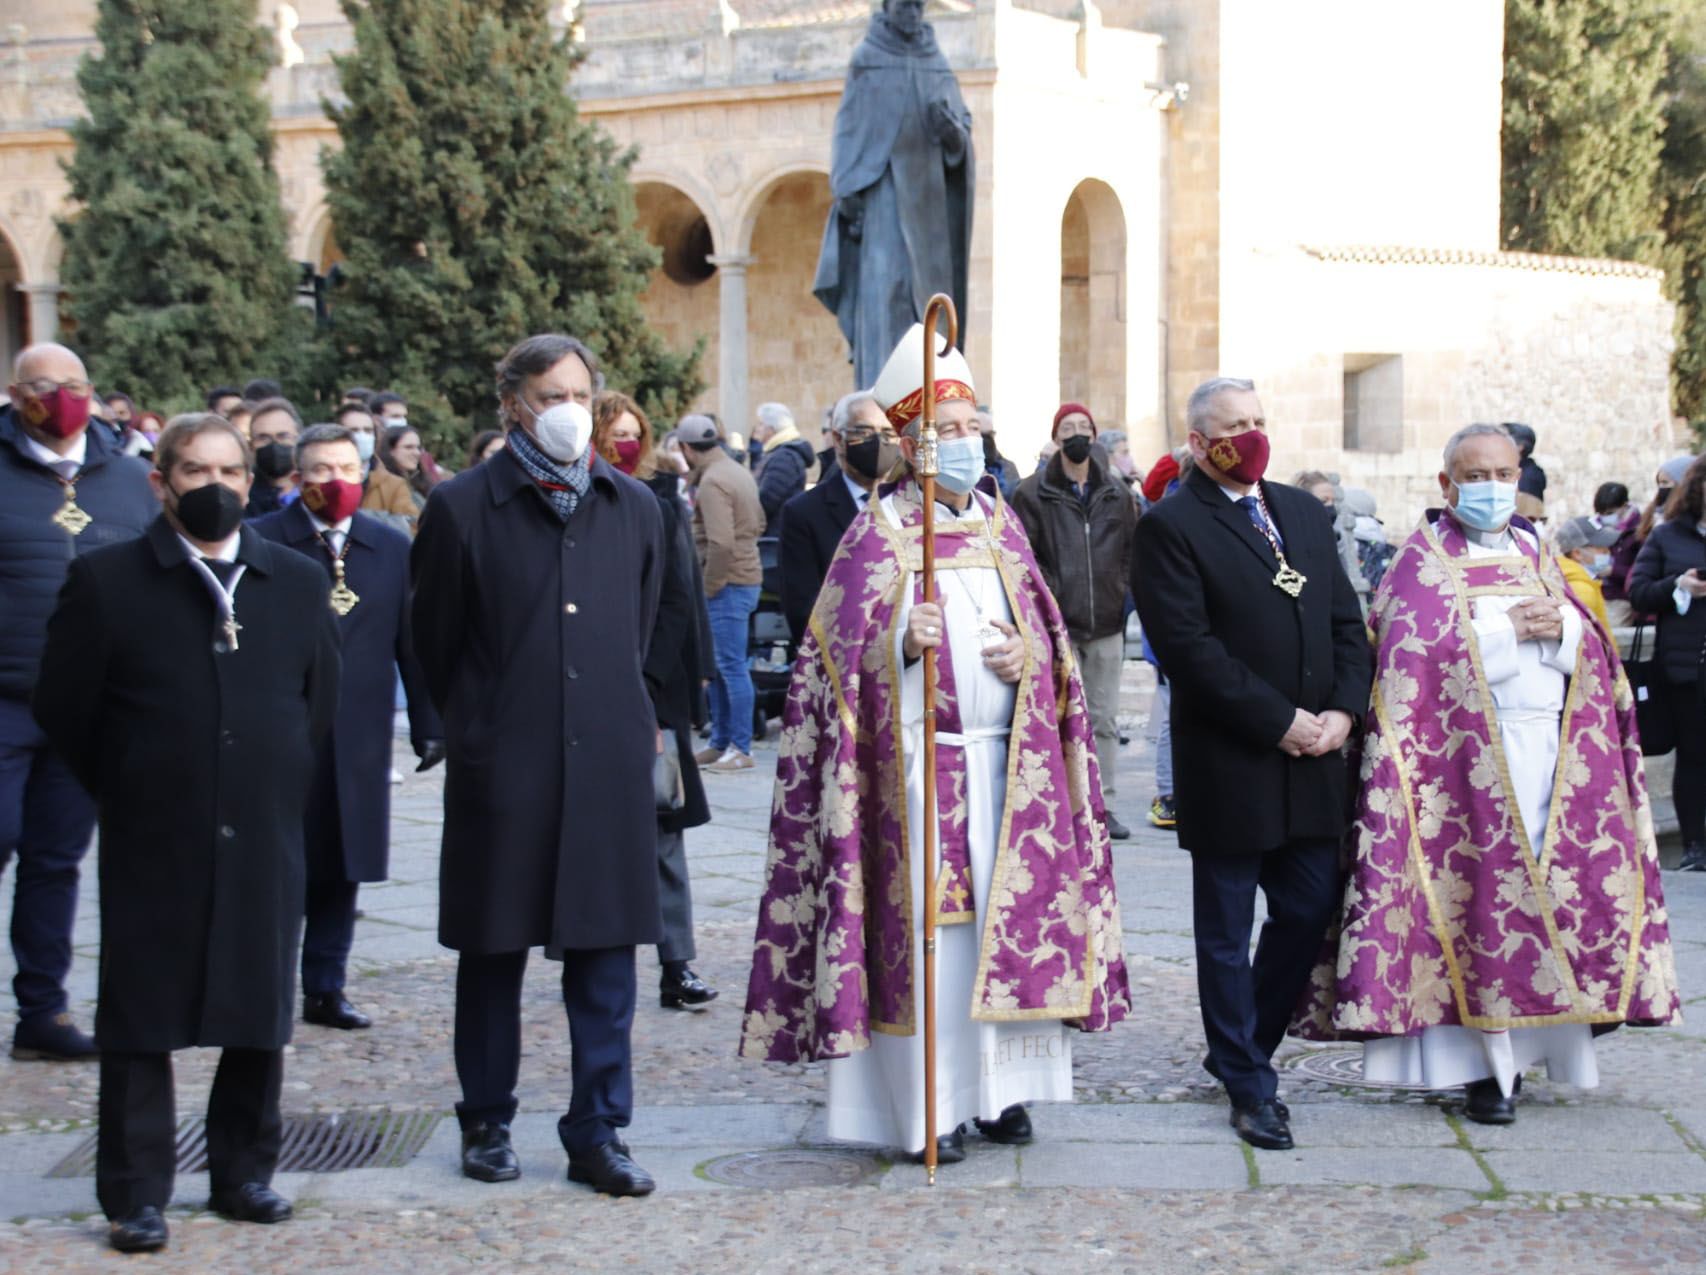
(774, 415)
(1110, 439)
(841, 415)
(319, 436)
(1202, 398)
(1477, 430)
(540, 354)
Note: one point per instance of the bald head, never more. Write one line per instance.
(47, 360)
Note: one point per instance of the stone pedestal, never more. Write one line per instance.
(42, 304)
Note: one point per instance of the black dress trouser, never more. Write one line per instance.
(1246, 1008)
(598, 993)
(1688, 780)
(136, 1145)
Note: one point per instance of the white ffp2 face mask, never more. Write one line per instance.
(562, 431)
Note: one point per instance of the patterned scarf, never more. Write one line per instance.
(562, 485)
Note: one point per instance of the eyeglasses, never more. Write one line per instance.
(854, 436)
(43, 387)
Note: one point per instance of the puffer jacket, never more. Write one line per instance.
(782, 476)
(1085, 549)
(35, 553)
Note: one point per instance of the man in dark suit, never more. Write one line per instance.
(347, 822)
(536, 578)
(866, 448)
(1241, 592)
(197, 743)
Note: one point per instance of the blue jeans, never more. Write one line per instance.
(46, 821)
(731, 691)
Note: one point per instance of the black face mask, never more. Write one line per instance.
(872, 457)
(990, 454)
(210, 513)
(275, 460)
(1076, 449)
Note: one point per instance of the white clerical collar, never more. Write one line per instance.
(227, 551)
(52, 459)
(322, 526)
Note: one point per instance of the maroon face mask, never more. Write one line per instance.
(59, 414)
(1241, 457)
(331, 500)
(627, 454)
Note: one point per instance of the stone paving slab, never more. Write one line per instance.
(1588, 1127)
(1158, 1165)
(1373, 1166)
(1602, 1172)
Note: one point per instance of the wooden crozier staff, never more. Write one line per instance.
(926, 469)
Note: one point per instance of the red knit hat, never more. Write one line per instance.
(1066, 409)
(1160, 474)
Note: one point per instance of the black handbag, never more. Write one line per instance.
(1652, 699)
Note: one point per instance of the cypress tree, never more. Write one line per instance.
(475, 206)
(1583, 127)
(1684, 184)
(176, 268)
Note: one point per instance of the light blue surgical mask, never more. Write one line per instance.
(1485, 506)
(363, 445)
(960, 463)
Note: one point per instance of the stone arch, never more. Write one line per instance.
(1093, 317)
(681, 300)
(759, 193)
(320, 247)
(14, 301)
(796, 353)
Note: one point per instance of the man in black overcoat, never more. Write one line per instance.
(866, 448)
(1241, 592)
(536, 579)
(347, 822)
(184, 688)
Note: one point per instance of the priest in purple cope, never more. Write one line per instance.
(1029, 937)
(1504, 904)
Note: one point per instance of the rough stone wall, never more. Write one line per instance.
(1583, 358)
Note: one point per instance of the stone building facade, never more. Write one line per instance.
(1167, 190)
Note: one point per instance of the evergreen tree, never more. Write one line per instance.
(1684, 185)
(176, 268)
(475, 206)
(1583, 127)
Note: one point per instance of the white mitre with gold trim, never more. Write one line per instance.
(900, 386)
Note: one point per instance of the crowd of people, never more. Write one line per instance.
(570, 621)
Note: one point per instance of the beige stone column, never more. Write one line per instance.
(43, 302)
(731, 341)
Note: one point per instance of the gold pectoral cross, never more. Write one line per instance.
(69, 517)
(1289, 580)
(343, 598)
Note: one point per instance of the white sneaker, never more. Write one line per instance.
(396, 775)
(732, 760)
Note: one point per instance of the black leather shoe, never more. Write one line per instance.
(950, 1149)
(142, 1230)
(251, 1202)
(1693, 859)
(1011, 1129)
(608, 1168)
(52, 1038)
(332, 1010)
(1263, 1126)
(1485, 1103)
(685, 991)
(1279, 1104)
(487, 1155)
(1117, 831)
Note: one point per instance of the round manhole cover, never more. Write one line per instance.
(1340, 1067)
(780, 1170)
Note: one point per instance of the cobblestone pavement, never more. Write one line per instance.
(1141, 1172)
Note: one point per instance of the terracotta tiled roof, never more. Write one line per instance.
(1393, 255)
